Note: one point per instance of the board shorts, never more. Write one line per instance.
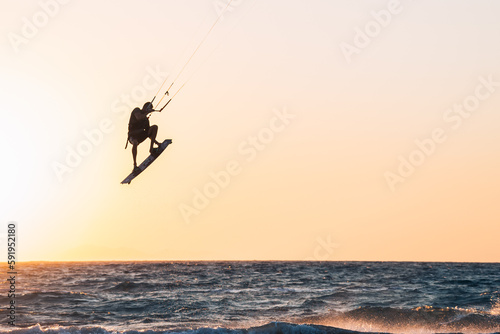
(140, 137)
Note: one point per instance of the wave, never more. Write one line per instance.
(271, 328)
(425, 319)
(49, 297)
(363, 320)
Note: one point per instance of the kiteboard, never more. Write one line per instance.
(149, 160)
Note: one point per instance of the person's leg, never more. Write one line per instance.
(153, 131)
(134, 151)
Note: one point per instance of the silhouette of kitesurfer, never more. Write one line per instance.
(139, 129)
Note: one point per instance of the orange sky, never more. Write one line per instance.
(326, 130)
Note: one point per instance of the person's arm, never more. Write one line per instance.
(142, 115)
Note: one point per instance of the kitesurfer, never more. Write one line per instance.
(139, 129)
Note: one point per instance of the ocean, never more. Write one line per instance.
(253, 297)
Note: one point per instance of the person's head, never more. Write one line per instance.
(148, 106)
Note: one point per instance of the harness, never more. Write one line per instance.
(134, 124)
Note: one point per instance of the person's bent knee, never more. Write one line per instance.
(153, 129)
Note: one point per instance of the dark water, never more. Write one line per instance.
(269, 297)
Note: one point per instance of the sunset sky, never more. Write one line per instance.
(319, 130)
